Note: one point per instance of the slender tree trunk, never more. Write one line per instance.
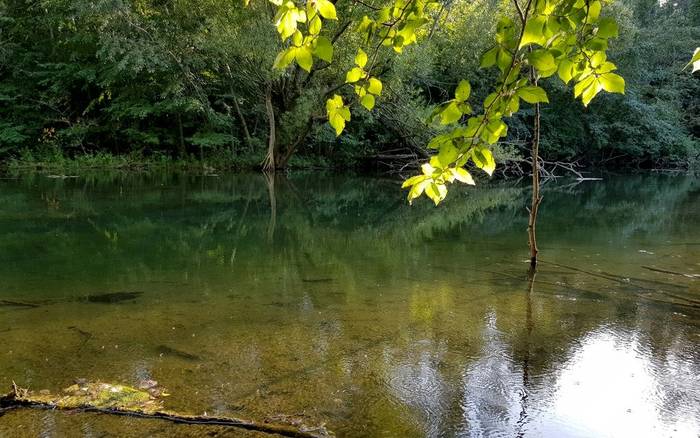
(269, 162)
(272, 224)
(246, 132)
(536, 197)
(181, 150)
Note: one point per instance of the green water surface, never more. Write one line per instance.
(326, 300)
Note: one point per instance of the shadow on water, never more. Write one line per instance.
(328, 300)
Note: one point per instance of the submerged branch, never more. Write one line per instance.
(664, 271)
(22, 398)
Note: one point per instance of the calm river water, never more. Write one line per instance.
(329, 301)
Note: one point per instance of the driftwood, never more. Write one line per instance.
(664, 271)
(126, 401)
(626, 281)
(8, 303)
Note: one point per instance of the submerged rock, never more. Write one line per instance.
(164, 350)
(112, 297)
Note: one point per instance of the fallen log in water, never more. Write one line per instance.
(689, 301)
(126, 401)
(22, 304)
(665, 271)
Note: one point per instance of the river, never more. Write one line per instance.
(326, 300)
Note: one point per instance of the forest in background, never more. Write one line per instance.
(133, 81)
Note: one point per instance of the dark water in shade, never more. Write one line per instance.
(330, 301)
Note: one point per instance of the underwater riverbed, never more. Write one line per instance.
(328, 301)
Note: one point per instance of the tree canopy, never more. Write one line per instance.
(178, 79)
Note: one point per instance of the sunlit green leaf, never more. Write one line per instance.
(463, 91)
(326, 9)
(543, 61)
(694, 61)
(436, 192)
(607, 28)
(354, 75)
(413, 180)
(612, 83)
(462, 175)
(532, 94)
(450, 114)
(488, 59)
(447, 155)
(284, 58)
(367, 101)
(304, 58)
(534, 31)
(361, 58)
(374, 86)
(323, 49)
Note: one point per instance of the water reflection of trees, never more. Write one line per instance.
(466, 347)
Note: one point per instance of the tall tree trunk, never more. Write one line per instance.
(181, 146)
(272, 224)
(536, 197)
(269, 163)
(237, 107)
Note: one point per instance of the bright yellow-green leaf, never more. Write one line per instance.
(450, 114)
(297, 38)
(607, 28)
(462, 175)
(612, 83)
(436, 192)
(463, 91)
(503, 59)
(427, 169)
(323, 49)
(374, 86)
(532, 94)
(337, 113)
(488, 59)
(583, 84)
(590, 92)
(447, 155)
(326, 9)
(284, 58)
(417, 190)
(694, 61)
(413, 180)
(367, 101)
(361, 58)
(543, 61)
(483, 159)
(354, 75)
(315, 25)
(565, 70)
(534, 31)
(304, 58)
(594, 8)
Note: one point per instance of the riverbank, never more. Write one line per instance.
(59, 164)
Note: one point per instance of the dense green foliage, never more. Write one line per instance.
(161, 79)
